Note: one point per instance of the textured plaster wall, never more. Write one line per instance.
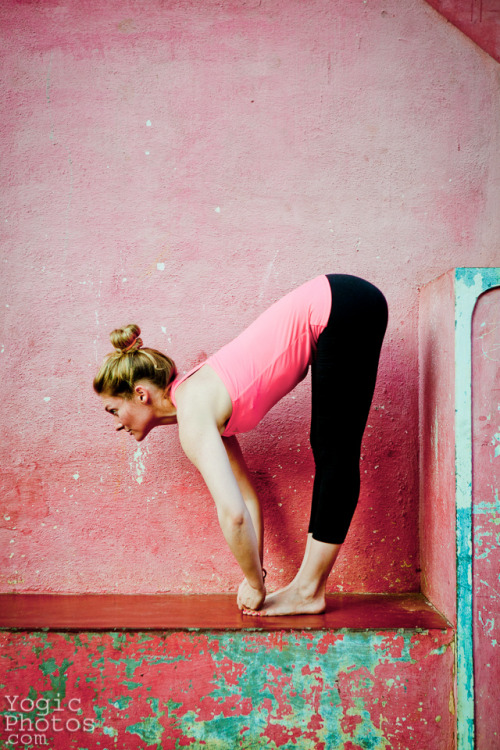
(182, 165)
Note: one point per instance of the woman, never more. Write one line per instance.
(334, 323)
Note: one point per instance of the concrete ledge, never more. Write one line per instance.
(192, 672)
(210, 612)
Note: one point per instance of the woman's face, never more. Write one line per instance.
(134, 415)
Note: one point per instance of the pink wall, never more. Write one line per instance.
(182, 165)
(478, 19)
(437, 444)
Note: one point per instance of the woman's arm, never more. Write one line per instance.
(247, 489)
(203, 445)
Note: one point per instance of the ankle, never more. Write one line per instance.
(311, 590)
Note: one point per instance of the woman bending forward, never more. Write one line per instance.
(334, 323)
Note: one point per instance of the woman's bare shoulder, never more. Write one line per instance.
(203, 395)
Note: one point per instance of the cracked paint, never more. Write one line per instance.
(458, 527)
(470, 285)
(246, 689)
(486, 515)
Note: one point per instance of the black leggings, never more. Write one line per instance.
(344, 372)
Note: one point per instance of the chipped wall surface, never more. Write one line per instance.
(470, 284)
(486, 515)
(306, 690)
(447, 388)
(182, 165)
(459, 479)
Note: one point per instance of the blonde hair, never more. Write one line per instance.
(129, 363)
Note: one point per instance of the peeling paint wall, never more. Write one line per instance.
(312, 690)
(459, 484)
(182, 165)
(486, 515)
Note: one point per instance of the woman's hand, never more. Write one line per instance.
(250, 598)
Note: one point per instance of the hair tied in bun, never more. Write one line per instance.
(118, 374)
(135, 345)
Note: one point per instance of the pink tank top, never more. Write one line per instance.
(270, 357)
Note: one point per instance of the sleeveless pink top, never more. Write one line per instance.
(270, 357)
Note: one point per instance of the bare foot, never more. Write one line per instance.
(290, 601)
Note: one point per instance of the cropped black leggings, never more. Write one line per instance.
(344, 372)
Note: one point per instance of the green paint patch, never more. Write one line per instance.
(484, 508)
(145, 638)
(119, 640)
(149, 730)
(58, 677)
(172, 707)
(468, 275)
(99, 712)
(49, 666)
(131, 666)
(74, 639)
(281, 692)
(122, 702)
(43, 643)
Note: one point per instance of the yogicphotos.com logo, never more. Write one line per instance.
(27, 721)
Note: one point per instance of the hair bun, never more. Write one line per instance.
(126, 339)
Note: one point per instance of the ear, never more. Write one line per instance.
(143, 393)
